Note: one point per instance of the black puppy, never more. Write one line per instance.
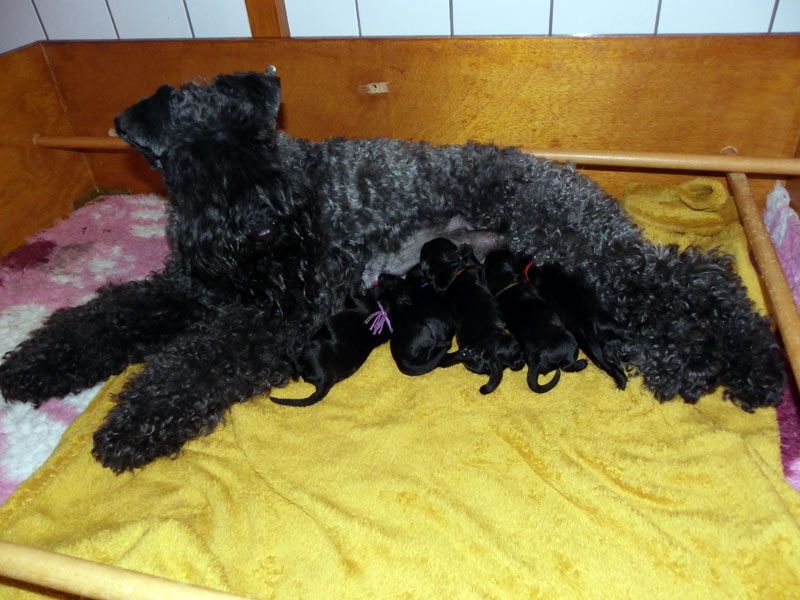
(423, 321)
(485, 346)
(580, 310)
(340, 347)
(546, 342)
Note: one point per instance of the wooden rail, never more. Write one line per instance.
(94, 580)
(783, 306)
(718, 163)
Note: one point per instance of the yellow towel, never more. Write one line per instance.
(421, 487)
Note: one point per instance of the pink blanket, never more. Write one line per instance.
(784, 229)
(118, 239)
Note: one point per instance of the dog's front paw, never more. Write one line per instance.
(127, 441)
(25, 380)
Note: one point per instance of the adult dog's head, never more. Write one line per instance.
(237, 223)
(194, 118)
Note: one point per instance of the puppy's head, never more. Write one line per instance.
(241, 105)
(499, 269)
(439, 260)
(393, 291)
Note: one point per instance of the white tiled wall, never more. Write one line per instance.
(24, 21)
(588, 17)
(716, 16)
(542, 17)
(322, 18)
(787, 17)
(76, 20)
(501, 17)
(164, 19)
(218, 18)
(19, 25)
(403, 17)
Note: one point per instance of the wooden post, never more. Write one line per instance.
(267, 18)
(783, 306)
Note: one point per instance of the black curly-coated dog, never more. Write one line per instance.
(340, 347)
(424, 322)
(485, 346)
(269, 234)
(547, 343)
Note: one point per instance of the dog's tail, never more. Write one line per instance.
(318, 395)
(533, 379)
(495, 377)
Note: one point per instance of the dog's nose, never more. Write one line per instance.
(117, 126)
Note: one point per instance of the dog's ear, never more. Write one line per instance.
(145, 125)
(262, 91)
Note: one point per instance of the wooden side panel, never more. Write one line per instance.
(37, 186)
(672, 94)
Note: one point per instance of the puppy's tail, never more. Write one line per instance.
(595, 352)
(495, 377)
(318, 395)
(533, 379)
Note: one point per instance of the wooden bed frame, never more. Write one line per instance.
(644, 109)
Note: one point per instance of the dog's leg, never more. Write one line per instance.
(451, 359)
(185, 389)
(575, 366)
(77, 347)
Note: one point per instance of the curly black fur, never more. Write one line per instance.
(269, 234)
(546, 342)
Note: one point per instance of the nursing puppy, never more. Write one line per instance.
(580, 310)
(485, 346)
(547, 345)
(339, 348)
(423, 322)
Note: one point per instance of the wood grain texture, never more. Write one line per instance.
(781, 300)
(267, 18)
(669, 94)
(598, 158)
(88, 579)
(37, 186)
